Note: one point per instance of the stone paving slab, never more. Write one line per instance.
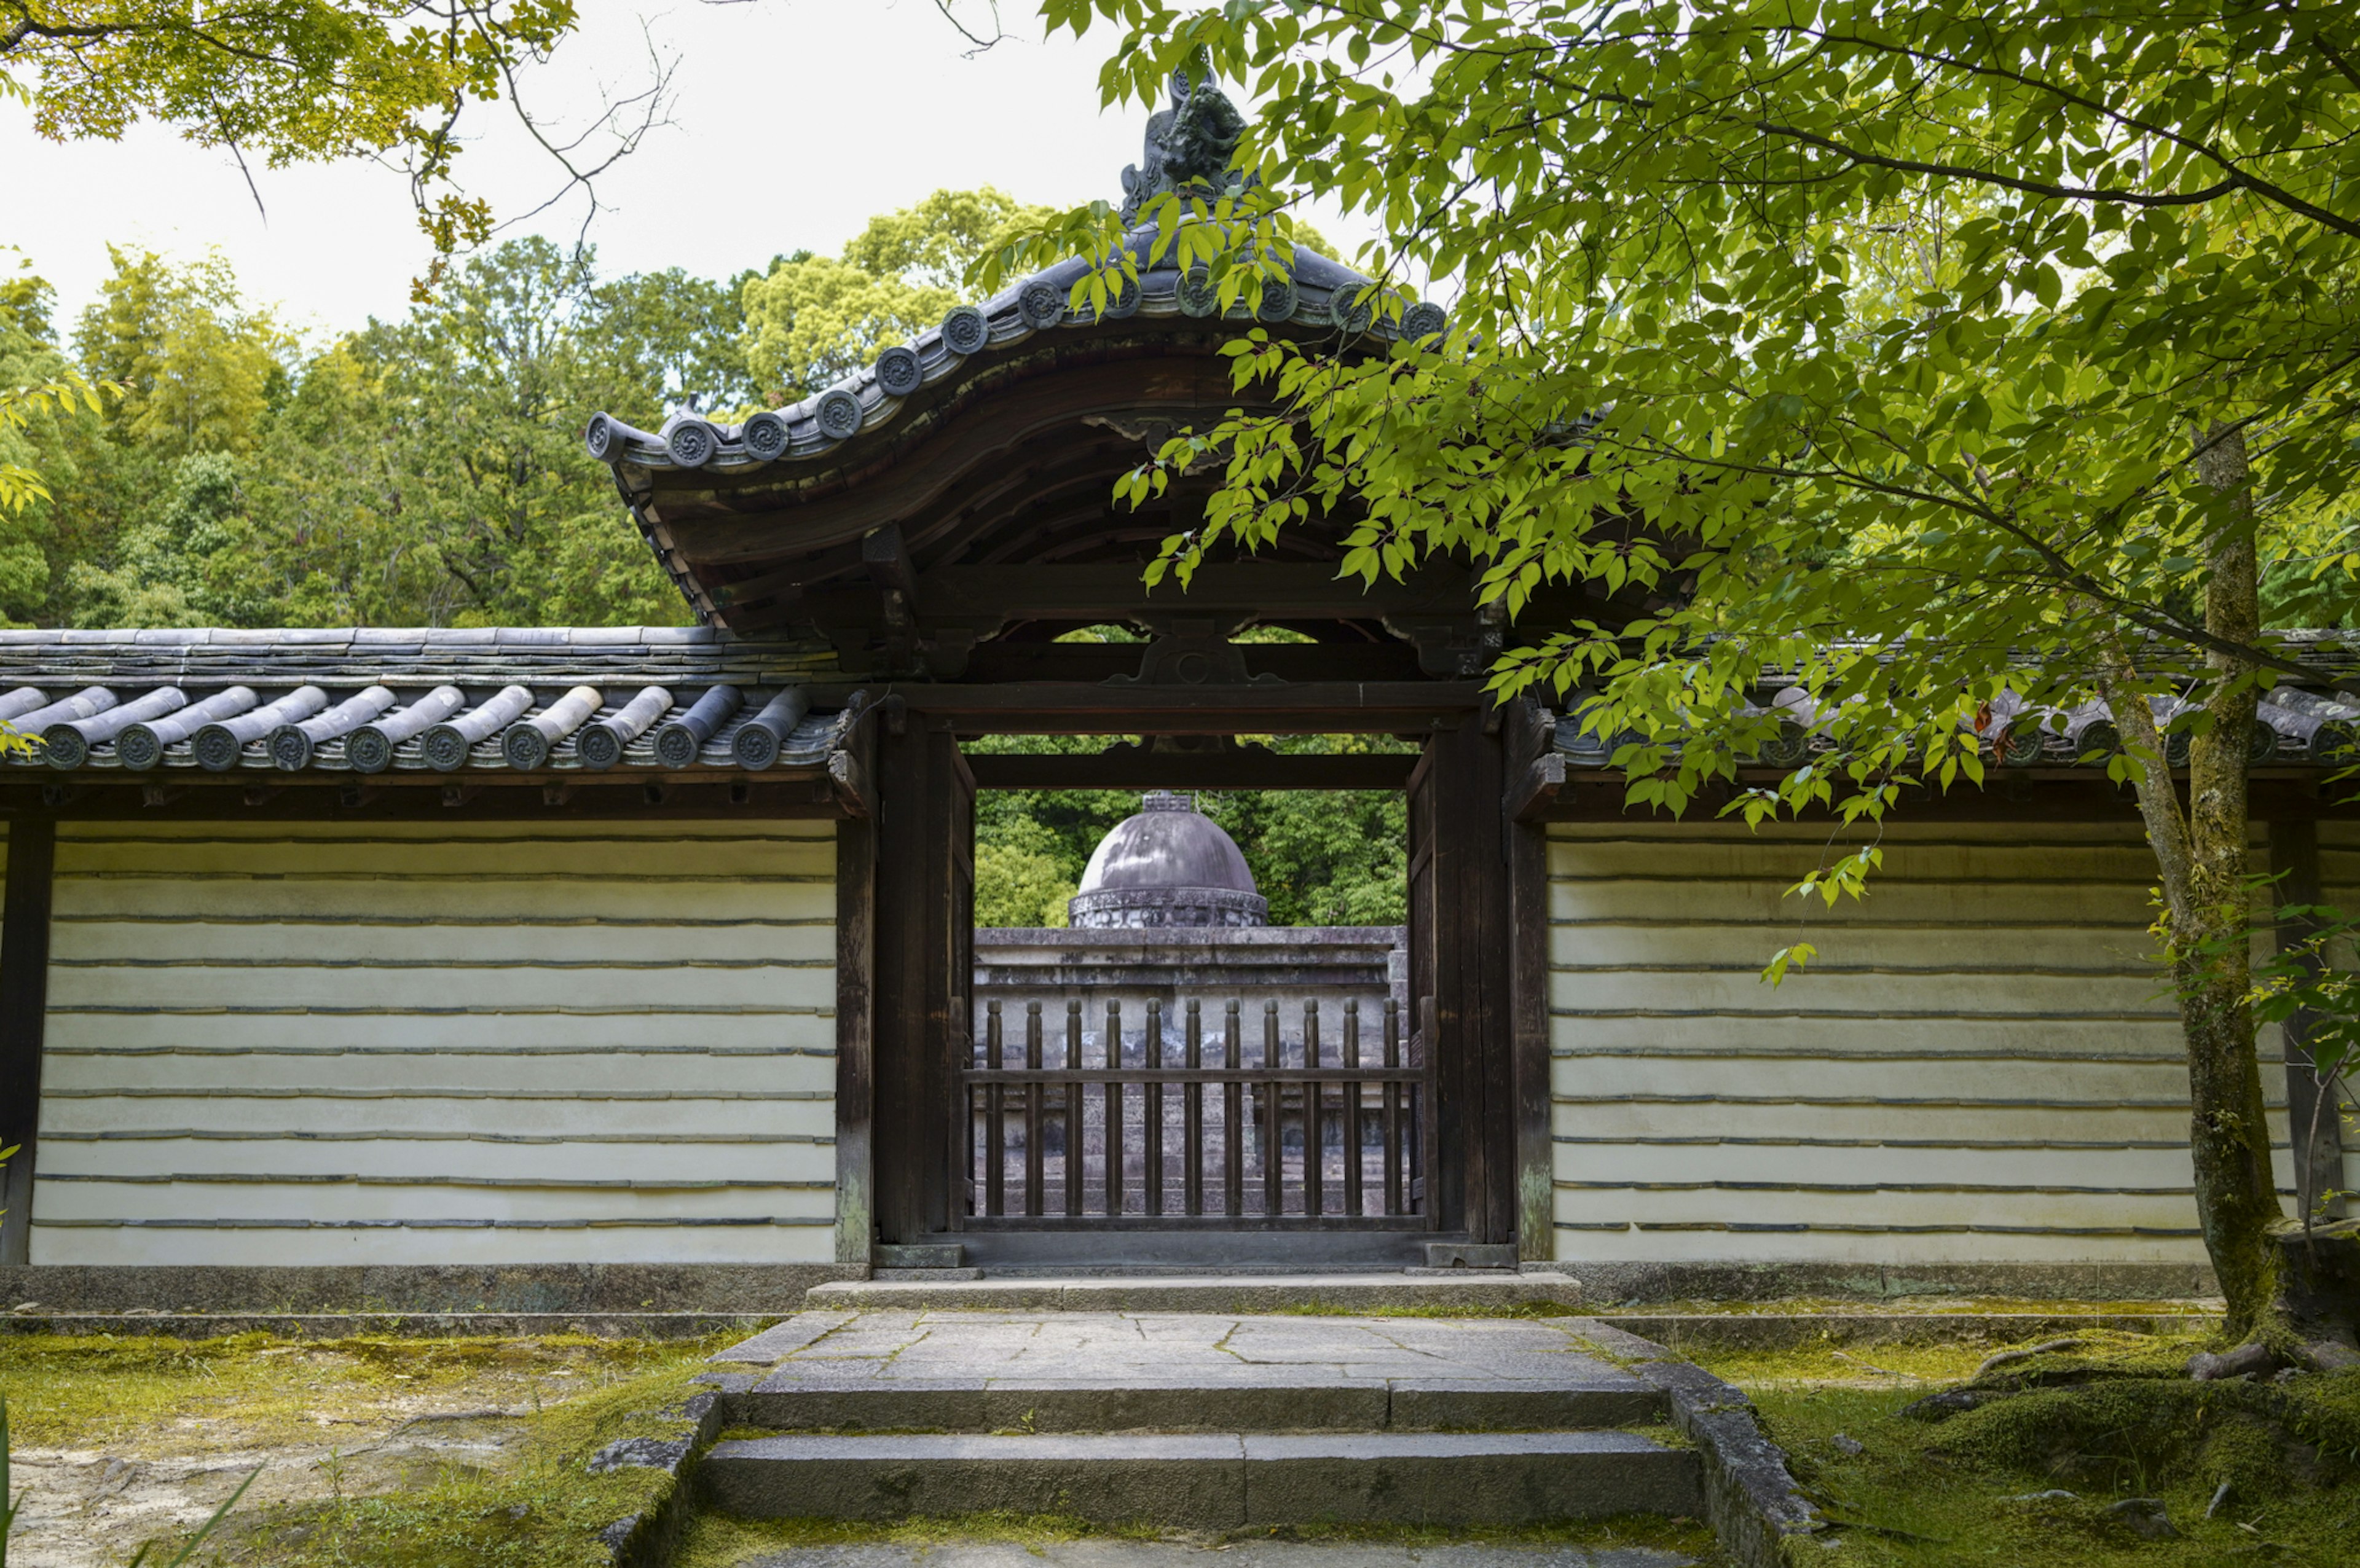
(1211, 1482)
(1234, 1554)
(1113, 1371)
(1207, 1292)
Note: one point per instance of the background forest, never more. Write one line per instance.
(431, 472)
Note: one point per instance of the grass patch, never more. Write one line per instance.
(1903, 1305)
(2108, 1423)
(1923, 1365)
(1505, 1309)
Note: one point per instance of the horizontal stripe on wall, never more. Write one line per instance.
(1691, 1139)
(396, 965)
(305, 1178)
(1985, 1030)
(319, 1093)
(425, 1225)
(607, 1036)
(812, 1029)
(1900, 1102)
(1970, 1050)
(541, 1052)
(488, 1010)
(433, 1135)
(1866, 1229)
(2181, 1191)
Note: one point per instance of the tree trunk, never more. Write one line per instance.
(2229, 1139)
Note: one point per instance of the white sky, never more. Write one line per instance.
(794, 121)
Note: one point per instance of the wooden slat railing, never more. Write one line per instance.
(1299, 1133)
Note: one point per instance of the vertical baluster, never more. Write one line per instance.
(1192, 1118)
(1074, 1109)
(1272, 1170)
(1233, 1196)
(1152, 1114)
(1113, 1110)
(1353, 1108)
(995, 1170)
(1315, 1117)
(1392, 1110)
(1036, 1094)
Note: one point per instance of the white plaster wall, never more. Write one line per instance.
(419, 1043)
(1976, 1067)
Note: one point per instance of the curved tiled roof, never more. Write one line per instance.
(347, 700)
(1317, 293)
(2293, 727)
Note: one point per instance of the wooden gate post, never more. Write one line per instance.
(23, 1010)
(1475, 1157)
(923, 936)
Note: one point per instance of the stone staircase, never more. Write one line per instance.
(1198, 1421)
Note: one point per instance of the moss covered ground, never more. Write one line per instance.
(389, 1453)
(2034, 1477)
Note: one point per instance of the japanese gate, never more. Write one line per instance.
(938, 524)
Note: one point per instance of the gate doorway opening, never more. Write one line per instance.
(1184, 1034)
(973, 1144)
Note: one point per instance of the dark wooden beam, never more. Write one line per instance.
(24, 1011)
(2314, 1125)
(999, 663)
(1271, 590)
(1308, 708)
(2054, 795)
(1141, 768)
(803, 794)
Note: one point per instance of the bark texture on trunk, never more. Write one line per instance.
(2229, 1139)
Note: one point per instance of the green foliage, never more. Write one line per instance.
(1320, 857)
(293, 81)
(1021, 878)
(1852, 344)
(423, 471)
(813, 320)
(1938, 362)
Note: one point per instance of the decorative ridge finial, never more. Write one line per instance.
(1188, 145)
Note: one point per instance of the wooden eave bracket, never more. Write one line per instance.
(850, 783)
(1534, 791)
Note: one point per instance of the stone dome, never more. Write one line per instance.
(1169, 866)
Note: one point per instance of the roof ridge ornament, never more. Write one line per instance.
(1189, 147)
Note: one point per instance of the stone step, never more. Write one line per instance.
(1240, 1403)
(1343, 1292)
(1073, 1371)
(1209, 1482)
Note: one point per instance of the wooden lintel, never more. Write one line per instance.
(798, 793)
(2031, 795)
(1535, 790)
(1381, 707)
(1140, 769)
